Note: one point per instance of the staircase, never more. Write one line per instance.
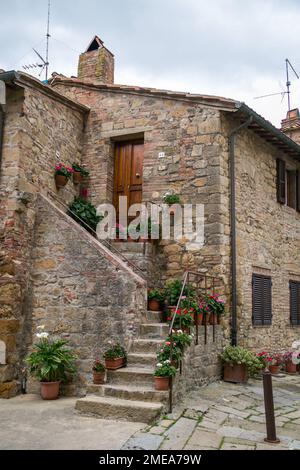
(129, 393)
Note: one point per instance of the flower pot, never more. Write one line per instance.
(206, 319)
(77, 178)
(274, 369)
(98, 378)
(213, 319)
(113, 364)
(60, 181)
(198, 318)
(161, 383)
(236, 373)
(290, 367)
(49, 390)
(154, 305)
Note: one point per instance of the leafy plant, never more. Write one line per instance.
(216, 304)
(165, 369)
(238, 355)
(98, 366)
(184, 318)
(79, 169)
(63, 170)
(173, 291)
(181, 339)
(52, 360)
(164, 352)
(156, 294)
(85, 214)
(171, 199)
(115, 351)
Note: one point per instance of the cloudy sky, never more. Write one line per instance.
(232, 48)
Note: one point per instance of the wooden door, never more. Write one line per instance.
(128, 180)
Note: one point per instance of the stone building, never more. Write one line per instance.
(207, 149)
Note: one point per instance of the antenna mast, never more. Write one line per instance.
(288, 83)
(48, 38)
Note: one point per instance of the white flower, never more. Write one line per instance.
(296, 358)
(41, 327)
(296, 344)
(167, 361)
(180, 332)
(158, 364)
(43, 335)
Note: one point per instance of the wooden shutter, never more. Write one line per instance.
(281, 190)
(298, 190)
(261, 300)
(295, 302)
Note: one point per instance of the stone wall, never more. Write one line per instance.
(80, 291)
(268, 238)
(191, 137)
(33, 137)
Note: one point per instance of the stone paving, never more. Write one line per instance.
(224, 416)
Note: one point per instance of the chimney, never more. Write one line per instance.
(291, 125)
(97, 63)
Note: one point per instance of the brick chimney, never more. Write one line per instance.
(291, 125)
(97, 63)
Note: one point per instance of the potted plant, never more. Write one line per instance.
(51, 362)
(239, 363)
(217, 307)
(98, 372)
(184, 319)
(204, 311)
(165, 353)
(115, 356)
(275, 363)
(171, 199)
(290, 367)
(62, 175)
(181, 339)
(172, 293)
(79, 173)
(155, 298)
(164, 370)
(85, 214)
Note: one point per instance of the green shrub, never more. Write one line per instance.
(85, 214)
(238, 355)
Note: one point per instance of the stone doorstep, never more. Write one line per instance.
(140, 360)
(128, 392)
(154, 330)
(120, 409)
(131, 375)
(144, 345)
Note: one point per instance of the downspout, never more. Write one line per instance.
(2, 118)
(231, 141)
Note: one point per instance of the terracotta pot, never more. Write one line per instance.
(290, 367)
(49, 390)
(206, 319)
(154, 305)
(213, 319)
(236, 373)
(274, 369)
(77, 178)
(113, 364)
(198, 318)
(60, 181)
(98, 378)
(161, 383)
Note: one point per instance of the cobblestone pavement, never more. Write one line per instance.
(227, 417)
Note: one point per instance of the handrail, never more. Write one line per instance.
(103, 242)
(185, 282)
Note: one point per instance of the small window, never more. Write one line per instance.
(261, 300)
(288, 185)
(291, 187)
(295, 302)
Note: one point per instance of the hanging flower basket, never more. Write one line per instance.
(62, 175)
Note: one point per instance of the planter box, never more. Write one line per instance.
(113, 364)
(236, 373)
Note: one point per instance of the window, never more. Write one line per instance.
(295, 302)
(261, 300)
(288, 185)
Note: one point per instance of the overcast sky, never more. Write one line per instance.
(231, 48)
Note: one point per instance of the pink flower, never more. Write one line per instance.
(168, 343)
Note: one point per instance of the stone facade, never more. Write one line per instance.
(268, 243)
(34, 141)
(80, 291)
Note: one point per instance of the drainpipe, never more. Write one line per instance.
(231, 141)
(2, 117)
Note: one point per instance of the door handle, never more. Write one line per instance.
(137, 175)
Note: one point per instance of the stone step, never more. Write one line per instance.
(154, 330)
(131, 375)
(118, 408)
(141, 359)
(153, 317)
(128, 392)
(144, 345)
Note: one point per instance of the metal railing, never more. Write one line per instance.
(200, 285)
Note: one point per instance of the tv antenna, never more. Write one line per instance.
(44, 65)
(288, 67)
